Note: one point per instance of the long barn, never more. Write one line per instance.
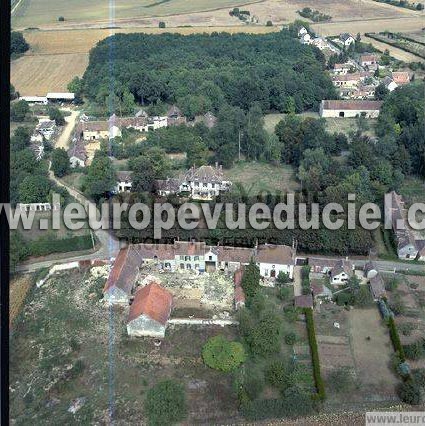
(349, 108)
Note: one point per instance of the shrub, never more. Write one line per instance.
(418, 376)
(314, 354)
(223, 355)
(290, 338)
(414, 351)
(269, 24)
(341, 380)
(276, 374)
(165, 403)
(410, 392)
(395, 339)
(161, 24)
(61, 19)
(283, 278)
(407, 328)
(284, 293)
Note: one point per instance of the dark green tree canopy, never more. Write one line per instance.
(60, 162)
(239, 69)
(222, 354)
(18, 43)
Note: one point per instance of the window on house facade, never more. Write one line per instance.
(188, 266)
(181, 265)
(181, 257)
(187, 258)
(196, 266)
(196, 258)
(210, 257)
(266, 272)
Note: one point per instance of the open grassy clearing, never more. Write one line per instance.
(60, 353)
(257, 177)
(40, 74)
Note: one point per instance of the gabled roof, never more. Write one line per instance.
(190, 248)
(345, 36)
(205, 174)
(401, 77)
(377, 286)
(125, 270)
(169, 184)
(153, 301)
(368, 58)
(342, 266)
(124, 176)
(234, 254)
(283, 255)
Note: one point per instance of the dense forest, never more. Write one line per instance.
(205, 72)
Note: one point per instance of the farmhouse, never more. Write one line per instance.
(94, 130)
(77, 154)
(305, 38)
(343, 80)
(149, 311)
(197, 256)
(46, 128)
(346, 39)
(389, 83)
(302, 31)
(342, 69)
(123, 275)
(341, 272)
(175, 117)
(274, 259)
(124, 182)
(143, 123)
(369, 62)
(350, 108)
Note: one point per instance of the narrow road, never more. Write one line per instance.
(382, 265)
(65, 137)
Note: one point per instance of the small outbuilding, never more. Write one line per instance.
(150, 311)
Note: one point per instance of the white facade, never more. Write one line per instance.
(305, 38)
(302, 31)
(35, 99)
(67, 96)
(340, 279)
(123, 186)
(76, 162)
(269, 270)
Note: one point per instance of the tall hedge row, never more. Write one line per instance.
(320, 386)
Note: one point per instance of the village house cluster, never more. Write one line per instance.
(150, 301)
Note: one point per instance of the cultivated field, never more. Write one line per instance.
(347, 348)
(40, 74)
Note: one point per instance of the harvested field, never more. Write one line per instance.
(39, 74)
(33, 13)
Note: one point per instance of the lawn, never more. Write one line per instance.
(67, 345)
(256, 177)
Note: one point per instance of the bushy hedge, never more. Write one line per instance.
(314, 354)
(395, 339)
(44, 246)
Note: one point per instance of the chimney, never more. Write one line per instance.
(216, 165)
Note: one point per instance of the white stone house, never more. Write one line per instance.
(346, 39)
(124, 182)
(273, 259)
(302, 31)
(341, 272)
(305, 38)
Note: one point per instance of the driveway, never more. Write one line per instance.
(64, 139)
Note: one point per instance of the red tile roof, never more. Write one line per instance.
(152, 301)
(401, 77)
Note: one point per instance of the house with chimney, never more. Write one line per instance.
(198, 183)
(198, 256)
